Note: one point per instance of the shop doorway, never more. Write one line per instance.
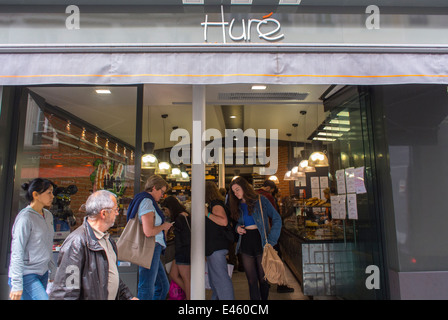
(80, 137)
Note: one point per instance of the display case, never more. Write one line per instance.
(314, 246)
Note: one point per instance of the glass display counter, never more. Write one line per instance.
(314, 248)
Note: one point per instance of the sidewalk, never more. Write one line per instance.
(241, 288)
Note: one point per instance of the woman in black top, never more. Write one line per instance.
(180, 267)
(217, 244)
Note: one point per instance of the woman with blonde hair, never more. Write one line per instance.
(153, 283)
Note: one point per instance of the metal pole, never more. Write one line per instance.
(138, 139)
(198, 197)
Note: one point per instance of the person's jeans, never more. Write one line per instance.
(153, 283)
(219, 278)
(35, 287)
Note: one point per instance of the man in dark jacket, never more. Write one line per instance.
(87, 263)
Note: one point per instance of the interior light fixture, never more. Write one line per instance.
(330, 128)
(258, 87)
(184, 177)
(330, 134)
(288, 176)
(296, 173)
(232, 117)
(289, 2)
(248, 2)
(103, 91)
(324, 139)
(275, 179)
(343, 114)
(318, 159)
(149, 161)
(192, 1)
(337, 121)
(304, 167)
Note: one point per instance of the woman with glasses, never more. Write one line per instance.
(153, 283)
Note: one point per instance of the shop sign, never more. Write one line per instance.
(270, 33)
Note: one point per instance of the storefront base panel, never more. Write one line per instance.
(320, 267)
(424, 285)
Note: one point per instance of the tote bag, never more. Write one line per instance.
(273, 267)
(133, 246)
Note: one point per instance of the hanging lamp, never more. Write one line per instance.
(318, 159)
(304, 164)
(164, 167)
(288, 176)
(149, 160)
(274, 178)
(305, 167)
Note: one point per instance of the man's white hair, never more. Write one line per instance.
(98, 201)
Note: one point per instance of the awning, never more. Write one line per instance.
(103, 68)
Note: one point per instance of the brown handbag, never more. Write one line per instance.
(273, 267)
(133, 246)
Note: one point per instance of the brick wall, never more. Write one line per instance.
(67, 165)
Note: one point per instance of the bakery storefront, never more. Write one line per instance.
(344, 107)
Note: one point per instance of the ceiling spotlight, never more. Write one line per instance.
(192, 1)
(232, 117)
(289, 2)
(103, 91)
(241, 2)
(258, 87)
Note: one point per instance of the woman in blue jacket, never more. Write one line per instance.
(245, 208)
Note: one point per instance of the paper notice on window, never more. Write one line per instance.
(350, 180)
(338, 208)
(315, 193)
(360, 186)
(323, 182)
(314, 182)
(340, 181)
(352, 206)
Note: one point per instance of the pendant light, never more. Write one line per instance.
(164, 167)
(304, 165)
(287, 176)
(318, 158)
(295, 169)
(149, 160)
(184, 177)
(275, 179)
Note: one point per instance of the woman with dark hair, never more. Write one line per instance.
(180, 271)
(245, 207)
(32, 243)
(217, 244)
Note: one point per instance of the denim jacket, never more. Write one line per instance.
(269, 212)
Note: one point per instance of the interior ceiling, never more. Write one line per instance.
(277, 107)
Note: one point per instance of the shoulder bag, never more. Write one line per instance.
(273, 267)
(133, 246)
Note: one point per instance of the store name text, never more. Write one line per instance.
(271, 34)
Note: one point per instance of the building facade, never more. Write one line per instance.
(384, 63)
